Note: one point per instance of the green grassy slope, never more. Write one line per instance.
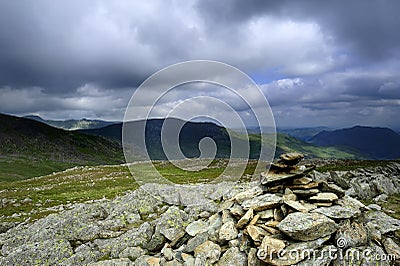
(302, 133)
(83, 183)
(29, 148)
(286, 143)
(80, 184)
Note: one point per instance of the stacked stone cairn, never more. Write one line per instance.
(293, 215)
(292, 218)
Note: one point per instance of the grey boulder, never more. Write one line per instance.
(307, 226)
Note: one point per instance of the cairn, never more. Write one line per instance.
(292, 218)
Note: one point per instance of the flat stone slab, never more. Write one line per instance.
(307, 226)
(267, 214)
(270, 179)
(352, 202)
(263, 202)
(272, 244)
(302, 181)
(255, 232)
(291, 158)
(325, 197)
(338, 212)
(245, 219)
(301, 207)
(330, 187)
(197, 227)
(306, 192)
(248, 194)
(304, 186)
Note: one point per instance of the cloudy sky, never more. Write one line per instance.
(330, 63)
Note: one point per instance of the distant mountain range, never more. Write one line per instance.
(192, 132)
(189, 137)
(31, 148)
(305, 133)
(356, 142)
(370, 142)
(72, 124)
(77, 124)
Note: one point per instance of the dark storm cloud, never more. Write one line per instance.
(59, 47)
(227, 12)
(368, 27)
(329, 59)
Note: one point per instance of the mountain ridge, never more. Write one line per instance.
(72, 124)
(304, 133)
(285, 142)
(373, 142)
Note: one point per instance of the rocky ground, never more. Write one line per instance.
(293, 215)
